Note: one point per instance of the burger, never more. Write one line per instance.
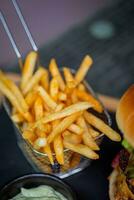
(121, 180)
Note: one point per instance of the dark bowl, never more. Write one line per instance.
(34, 180)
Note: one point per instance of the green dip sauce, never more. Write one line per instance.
(42, 192)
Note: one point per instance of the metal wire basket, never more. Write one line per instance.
(73, 161)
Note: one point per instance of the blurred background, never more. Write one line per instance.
(47, 20)
(67, 30)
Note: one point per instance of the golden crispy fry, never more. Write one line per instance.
(74, 97)
(54, 88)
(62, 96)
(93, 132)
(40, 133)
(45, 80)
(71, 137)
(75, 129)
(81, 87)
(46, 98)
(62, 126)
(46, 128)
(17, 118)
(59, 107)
(29, 135)
(30, 98)
(34, 80)
(66, 133)
(46, 108)
(84, 67)
(48, 151)
(14, 89)
(64, 113)
(84, 96)
(69, 78)
(100, 125)
(55, 123)
(14, 102)
(46, 113)
(87, 138)
(38, 108)
(56, 73)
(81, 149)
(59, 150)
(68, 102)
(28, 69)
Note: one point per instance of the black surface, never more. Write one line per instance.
(91, 183)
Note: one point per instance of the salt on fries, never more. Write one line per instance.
(51, 110)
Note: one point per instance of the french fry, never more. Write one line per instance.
(17, 118)
(62, 96)
(30, 98)
(100, 125)
(75, 129)
(46, 108)
(56, 73)
(87, 138)
(29, 135)
(45, 80)
(46, 98)
(34, 80)
(81, 87)
(38, 108)
(46, 128)
(59, 107)
(46, 113)
(54, 88)
(84, 67)
(84, 96)
(93, 132)
(14, 102)
(71, 137)
(69, 78)
(48, 151)
(68, 101)
(14, 89)
(62, 126)
(58, 148)
(55, 123)
(64, 113)
(81, 149)
(40, 133)
(74, 97)
(58, 145)
(28, 69)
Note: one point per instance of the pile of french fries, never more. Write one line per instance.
(52, 109)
